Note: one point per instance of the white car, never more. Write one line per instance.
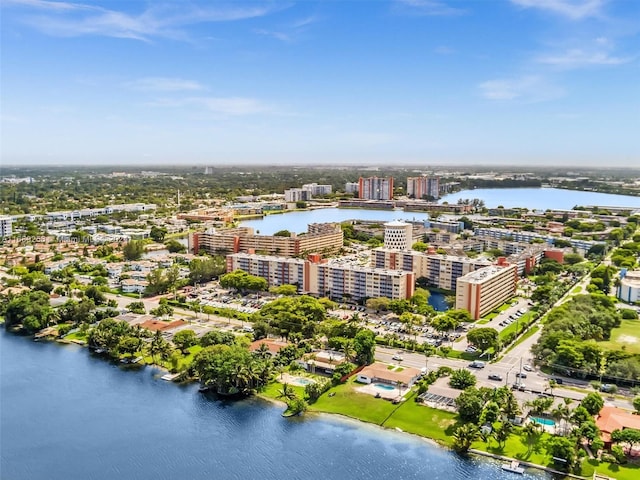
(528, 368)
(397, 357)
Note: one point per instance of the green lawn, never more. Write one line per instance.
(523, 337)
(273, 391)
(626, 335)
(524, 320)
(516, 447)
(619, 472)
(76, 336)
(413, 417)
(350, 403)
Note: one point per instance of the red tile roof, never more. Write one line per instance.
(613, 418)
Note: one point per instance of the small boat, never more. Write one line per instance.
(513, 467)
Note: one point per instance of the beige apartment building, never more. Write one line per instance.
(481, 291)
(324, 278)
(441, 271)
(324, 238)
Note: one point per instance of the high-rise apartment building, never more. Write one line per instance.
(6, 223)
(481, 291)
(375, 188)
(423, 187)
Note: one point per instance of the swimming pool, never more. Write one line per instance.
(383, 386)
(547, 422)
(302, 382)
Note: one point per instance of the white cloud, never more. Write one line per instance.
(435, 8)
(526, 89)
(284, 37)
(157, 20)
(163, 84)
(231, 106)
(573, 9)
(579, 58)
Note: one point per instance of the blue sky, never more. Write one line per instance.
(544, 82)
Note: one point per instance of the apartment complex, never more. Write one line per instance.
(326, 238)
(317, 190)
(481, 291)
(375, 188)
(6, 224)
(297, 195)
(441, 271)
(336, 280)
(351, 187)
(522, 236)
(423, 187)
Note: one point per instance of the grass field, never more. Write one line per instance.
(413, 417)
(619, 472)
(627, 335)
(347, 401)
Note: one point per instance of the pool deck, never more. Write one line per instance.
(389, 394)
(547, 428)
(295, 380)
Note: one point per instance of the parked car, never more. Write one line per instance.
(495, 376)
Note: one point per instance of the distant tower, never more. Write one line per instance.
(178, 200)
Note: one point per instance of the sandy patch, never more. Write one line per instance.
(627, 339)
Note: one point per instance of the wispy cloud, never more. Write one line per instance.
(163, 84)
(572, 9)
(291, 31)
(229, 106)
(444, 50)
(435, 8)
(525, 89)
(579, 58)
(67, 19)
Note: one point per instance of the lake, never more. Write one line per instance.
(67, 414)
(542, 198)
(532, 198)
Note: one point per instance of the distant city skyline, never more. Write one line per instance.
(411, 82)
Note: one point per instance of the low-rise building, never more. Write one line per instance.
(614, 418)
(131, 285)
(629, 289)
(379, 372)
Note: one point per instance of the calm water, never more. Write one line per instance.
(542, 198)
(68, 415)
(531, 198)
(438, 302)
(297, 221)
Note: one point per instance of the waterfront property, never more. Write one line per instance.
(385, 374)
(612, 418)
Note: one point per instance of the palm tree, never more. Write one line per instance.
(286, 392)
(349, 351)
(531, 434)
(263, 351)
(464, 436)
(552, 385)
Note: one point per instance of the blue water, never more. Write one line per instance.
(297, 221)
(543, 421)
(531, 198)
(382, 386)
(68, 415)
(542, 198)
(437, 301)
